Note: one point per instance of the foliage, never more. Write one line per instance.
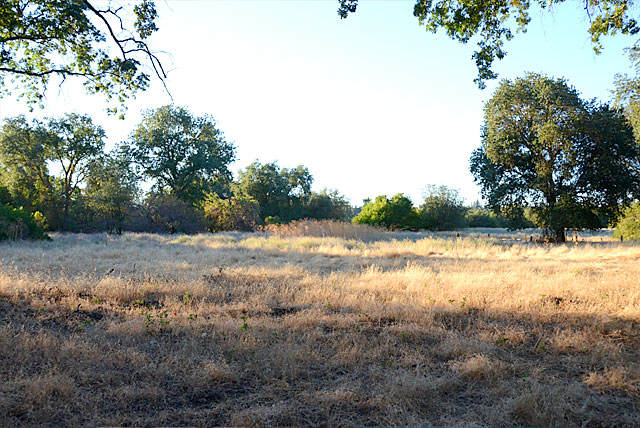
(77, 38)
(628, 226)
(627, 91)
(27, 149)
(479, 217)
(25, 174)
(168, 214)
(394, 213)
(328, 204)
(442, 209)
(280, 192)
(111, 190)
(493, 23)
(571, 161)
(235, 213)
(186, 155)
(17, 224)
(75, 143)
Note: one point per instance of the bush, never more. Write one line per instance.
(328, 205)
(394, 213)
(628, 227)
(17, 224)
(235, 213)
(481, 218)
(167, 214)
(442, 209)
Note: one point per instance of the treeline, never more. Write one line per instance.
(55, 175)
(442, 209)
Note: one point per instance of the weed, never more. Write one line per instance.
(244, 325)
(186, 297)
(542, 346)
(192, 317)
(502, 340)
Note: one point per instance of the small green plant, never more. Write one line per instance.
(542, 346)
(154, 321)
(244, 325)
(96, 300)
(192, 317)
(464, 303)
(163, 318)
(451, 301)
(138, 302)
(186, 297)
(502, 340)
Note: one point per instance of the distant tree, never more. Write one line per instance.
(328, 204)
(442, 209)
(281, 193)
(185, 155)
(628, 226)
(112, 189)
(102, 43)
(492, 23)
(75, 144)
(542, 146)
(24, 154)
(480, 217)
(394, 213)
(627, 91)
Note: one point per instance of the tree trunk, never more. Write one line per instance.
(65, 222)
(559, 235)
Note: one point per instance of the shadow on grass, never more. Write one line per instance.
(311, 366)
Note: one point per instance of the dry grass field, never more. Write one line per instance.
(288, 330)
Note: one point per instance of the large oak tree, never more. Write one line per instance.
(570, 160)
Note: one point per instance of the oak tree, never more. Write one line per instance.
(570, 160)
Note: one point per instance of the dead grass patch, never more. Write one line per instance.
(259, 329)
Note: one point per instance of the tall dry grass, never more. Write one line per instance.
(254, 329)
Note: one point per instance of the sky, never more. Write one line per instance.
(372, 104)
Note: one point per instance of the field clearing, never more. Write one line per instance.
(245, 329)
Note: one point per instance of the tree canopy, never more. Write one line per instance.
(494, 22)
(96, 41)
(280, 192)
(571, 160)
(186, 155)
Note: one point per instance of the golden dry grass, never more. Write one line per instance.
(248, 329)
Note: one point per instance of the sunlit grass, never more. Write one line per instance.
(266, 329)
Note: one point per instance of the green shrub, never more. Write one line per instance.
(628, 227)
(478, 217)
(394, 213)
(272, 219)
(442, 209)
(235, 213)
(17, 224)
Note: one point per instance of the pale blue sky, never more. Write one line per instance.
(371, 105)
